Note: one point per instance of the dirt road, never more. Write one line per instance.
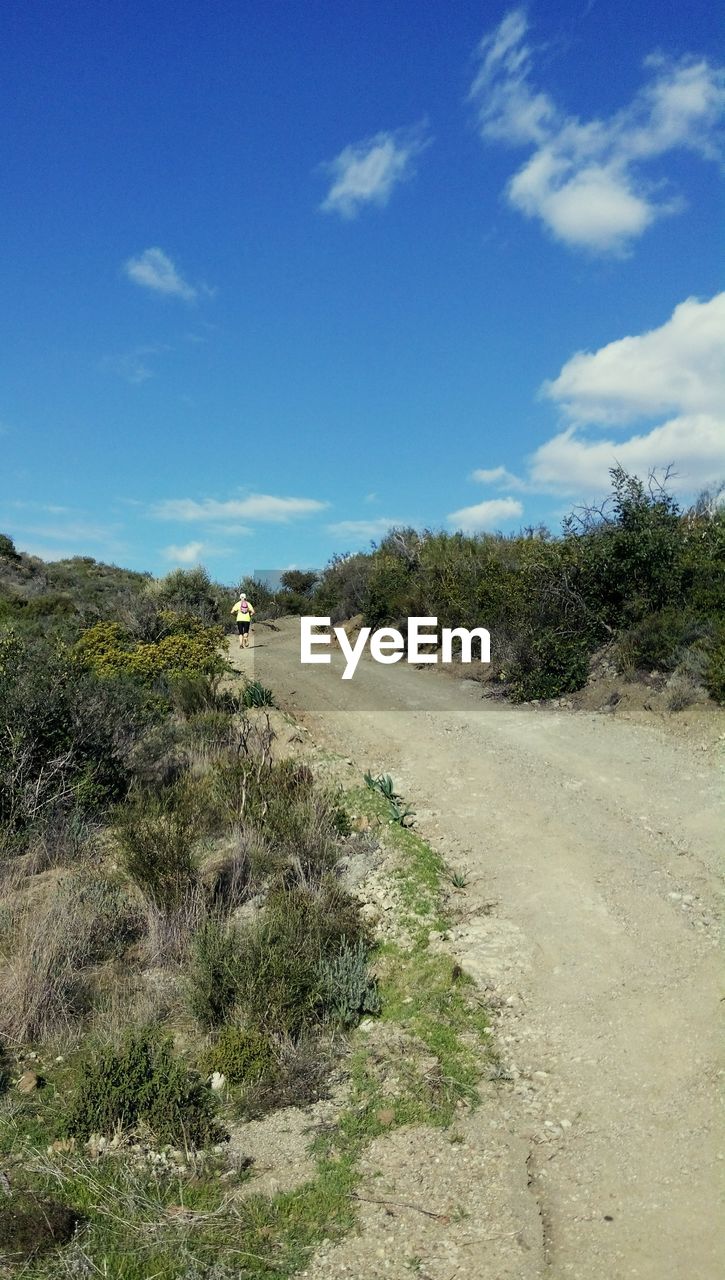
(590, 847)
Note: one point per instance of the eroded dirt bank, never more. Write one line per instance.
(590, 848)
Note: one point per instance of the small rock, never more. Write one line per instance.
(218, 1080)
(28, 1082)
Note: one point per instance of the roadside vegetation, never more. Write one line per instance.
(180, 952)
(636, 580)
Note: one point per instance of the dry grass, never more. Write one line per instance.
(52, 947)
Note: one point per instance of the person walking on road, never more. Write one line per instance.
(243, 611)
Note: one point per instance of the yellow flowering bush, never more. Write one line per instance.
(186, 646)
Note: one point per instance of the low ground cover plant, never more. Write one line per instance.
(142, 1083)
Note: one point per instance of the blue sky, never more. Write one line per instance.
(277, 275)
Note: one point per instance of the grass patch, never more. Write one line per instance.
(420, 874)
(136, 1222)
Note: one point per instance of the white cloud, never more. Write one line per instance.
(576, 464)
(258, 506)
(367, 172)
(366, 528)
(584, 179)
(486, 515)
(153, 269)
(497, 478)
(676, 370)
(190, 553)
(679, 366)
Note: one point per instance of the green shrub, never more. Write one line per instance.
(7, 548)
(195, 694)
(548, 602)
(300, 822)
(243, 1055)
(658, 641)
(282, 957)
(73, 734)
(348, 989)
(158, 833)
(552, 665)
(143, 1084)
(216, 973)
(191, 592)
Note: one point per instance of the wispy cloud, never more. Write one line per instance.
(497, 478)
(153, 269)
(190, 553)
(257, 506)
(585, 179)
(365, 528)
(63, 533)
(367, 172)
(486, 515)
(134, 366)
(47, 507)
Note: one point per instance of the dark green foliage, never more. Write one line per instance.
(143, 1083)
(301, 581)
(342, 591)
(659, 640)
(635, 570)
(7, 548)
(157, 832)
(70, 735)
(215, 974)
(191, 591)
(243, 1055)
(257, 695)
(552, 665)
(715, 669)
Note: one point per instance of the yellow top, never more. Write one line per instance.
(240, 614)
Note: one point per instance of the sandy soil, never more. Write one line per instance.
(589, 917)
